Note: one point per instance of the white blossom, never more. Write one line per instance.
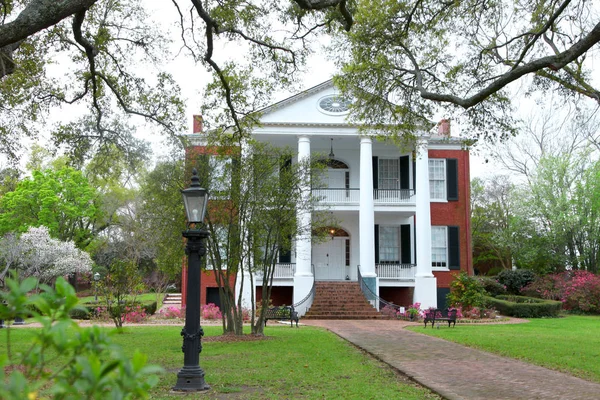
(48, 258)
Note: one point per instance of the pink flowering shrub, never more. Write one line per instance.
(245, 314)
(210, 311)
(389, 312)
(577, 290)
(101, 314)
(172, 313)
(135, 315)
(459, 314)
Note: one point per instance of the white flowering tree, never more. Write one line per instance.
(10, 254)
(46, 258)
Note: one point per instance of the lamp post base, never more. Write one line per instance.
(190, 380)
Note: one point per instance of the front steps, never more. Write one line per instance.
(172, 299)
(340, 300)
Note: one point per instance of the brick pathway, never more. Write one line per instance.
(455, 371)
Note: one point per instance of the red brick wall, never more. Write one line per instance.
(207, 279)
(399, 296)
(280, 295)
(455, 213)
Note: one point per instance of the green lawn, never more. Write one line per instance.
(294, 363)
(570, 344)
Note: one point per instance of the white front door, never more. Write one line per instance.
(328, 259)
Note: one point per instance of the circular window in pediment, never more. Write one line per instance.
(334, 104)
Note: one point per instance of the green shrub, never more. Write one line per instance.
(516, 280)
(86, 365)
(149, 307)
(492, 286)
(90, 309)
(466, 292)
(525, 307)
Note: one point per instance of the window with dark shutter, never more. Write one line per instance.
(452, 179)
(375, 172)
(453, 248)
(404, 173)
(376, 244)
(405, 247)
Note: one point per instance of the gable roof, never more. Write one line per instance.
(297, 97)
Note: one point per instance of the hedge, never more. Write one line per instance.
(90, 308)
(524, 307)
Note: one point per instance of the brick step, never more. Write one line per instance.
(340, 300)
(342, 316)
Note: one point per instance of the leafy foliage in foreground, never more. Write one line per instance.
(62, 359)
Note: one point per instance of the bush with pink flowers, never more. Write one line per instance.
(135, 315)
(172, 313)
(210, 311)
(579, 291)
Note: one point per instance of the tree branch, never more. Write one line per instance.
(39, 15)
(555, 63)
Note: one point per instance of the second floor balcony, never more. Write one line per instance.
(351, 196)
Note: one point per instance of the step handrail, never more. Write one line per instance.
(311, 293)
(372, 296)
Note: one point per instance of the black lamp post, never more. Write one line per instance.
(191, 376)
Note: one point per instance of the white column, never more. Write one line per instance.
(303, 241)
(425, 283)
(366, 220)
(243, 286)
(303, 278)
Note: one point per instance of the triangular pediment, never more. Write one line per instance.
(311, 106)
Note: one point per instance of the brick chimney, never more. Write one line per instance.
(198, 127)
(444, 128)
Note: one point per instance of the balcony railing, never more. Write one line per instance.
(284, 270)
(352, 196)
(393, 196)
(336, 195)
(404, 272)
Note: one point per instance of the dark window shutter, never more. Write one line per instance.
(414, 167)
(405, 244)
(285, 254)
(452, 179)
(376, 244)
(453, 248)
(404, 173)
(441, 298)
(415, 241)
(375, 172)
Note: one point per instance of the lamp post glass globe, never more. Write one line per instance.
(195, 199)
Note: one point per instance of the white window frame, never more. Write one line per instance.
(392, 180)
(439, 248)
(437, 179)
(219, 165)
(393, 249)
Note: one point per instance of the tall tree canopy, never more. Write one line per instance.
(398, 59)
(61, 200)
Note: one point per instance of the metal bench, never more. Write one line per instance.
(282, 313)
(433, 314)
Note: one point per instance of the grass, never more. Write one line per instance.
(570, 344)
(294, 363)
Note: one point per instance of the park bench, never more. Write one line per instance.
(282, 313)
(433, 314)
